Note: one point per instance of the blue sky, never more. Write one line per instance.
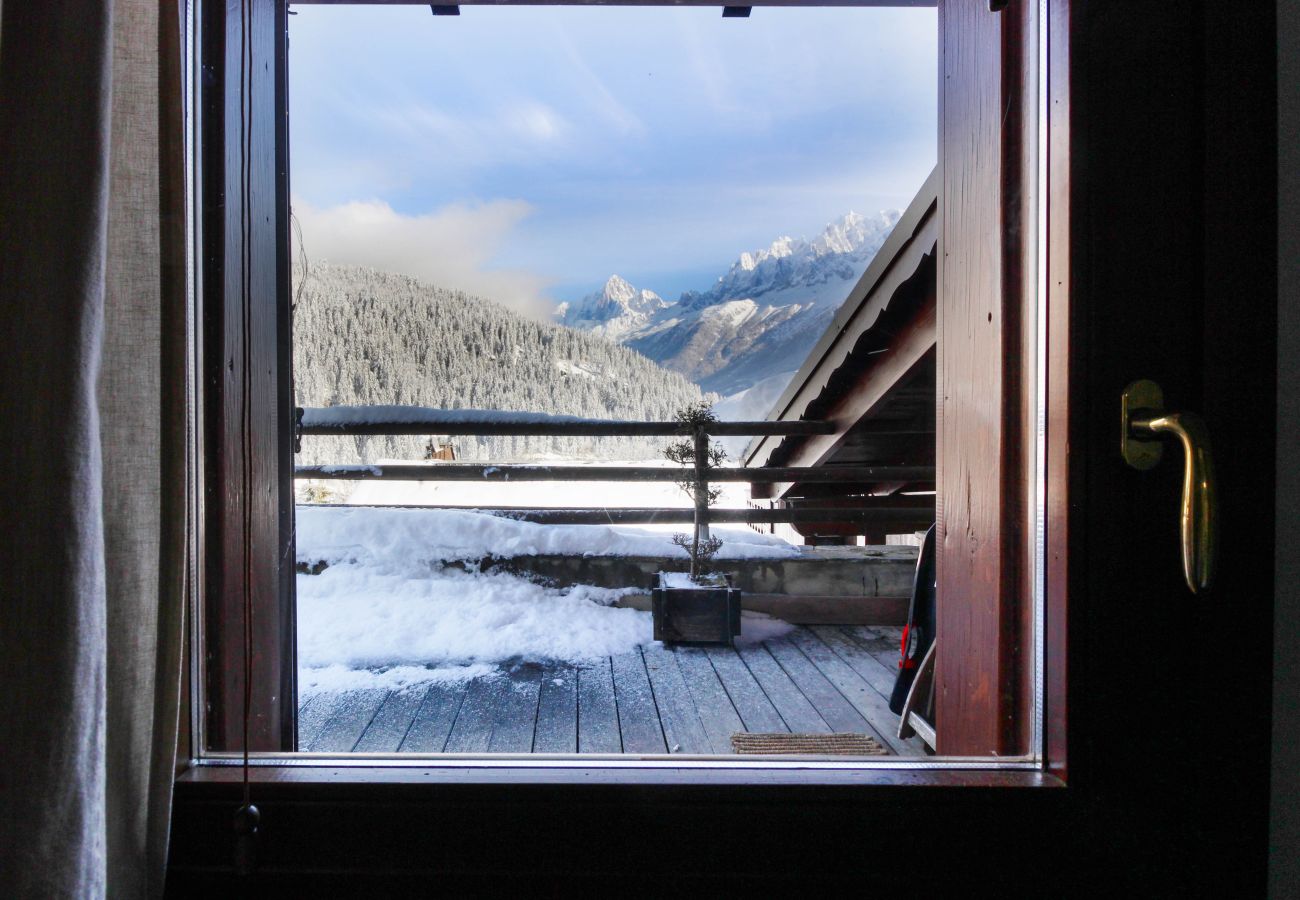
(529, 153)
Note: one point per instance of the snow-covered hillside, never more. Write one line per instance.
(749, 405)
(368, 337)
(758, 320)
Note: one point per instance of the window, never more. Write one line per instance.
(867, 381)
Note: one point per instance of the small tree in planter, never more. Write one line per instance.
(704, 609)
(699, 453)
(701, 552)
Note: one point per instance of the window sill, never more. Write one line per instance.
(346, 827)
(340, 771)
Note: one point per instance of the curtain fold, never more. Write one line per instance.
(92, 401)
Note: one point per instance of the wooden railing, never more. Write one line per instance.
(900, 510)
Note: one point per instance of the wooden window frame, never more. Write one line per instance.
(247, 510)
(989, 698)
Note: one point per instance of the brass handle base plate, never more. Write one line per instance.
(1141, 399)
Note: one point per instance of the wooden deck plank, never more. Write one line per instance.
(831, 705)
(872, 670)
(433, 721)
(557, 710)
(679, 700)
(878, 646)
(756, 710)
(891, 633)
(389, 727)
(638, 717)
(597, 711)
(717, 713)
(683, 731)
(515, 717)
(351, 718)
(304, 716)
(794, 708)
(881, 722)
(472, 730)
(304, 704)
(313, 716)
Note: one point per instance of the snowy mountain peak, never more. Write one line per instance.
(613, 311)
(617, 298)
(846, 234)
(843, 247)
(759, 318)
(617, 289)
(779, 249)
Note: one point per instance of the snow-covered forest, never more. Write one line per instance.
(363, 336)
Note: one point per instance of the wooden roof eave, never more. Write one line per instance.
(871, 396)
(913, 238)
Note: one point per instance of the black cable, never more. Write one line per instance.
(247, 817)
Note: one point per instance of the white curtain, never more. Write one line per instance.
(92, 441)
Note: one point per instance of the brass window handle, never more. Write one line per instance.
(1145, 423)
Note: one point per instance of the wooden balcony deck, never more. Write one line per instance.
(817, 679)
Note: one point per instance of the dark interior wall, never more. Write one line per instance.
(1284, 862)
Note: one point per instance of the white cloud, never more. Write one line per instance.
(536, 121)
(512, 131)
(451, 247)
(615, 114)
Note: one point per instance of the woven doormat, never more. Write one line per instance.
(838, 744)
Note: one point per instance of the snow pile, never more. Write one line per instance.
(756, 627)
(372, 536)
(338, 677)
(679, 580)
(387, 613)
(390, 614)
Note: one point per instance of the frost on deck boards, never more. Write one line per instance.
(817, 679)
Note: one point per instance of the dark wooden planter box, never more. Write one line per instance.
(706, 615)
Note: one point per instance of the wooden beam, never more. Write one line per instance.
(247, 440)
(871, 391)
(874, 510)
(704, 3)
(480, 472)
(981, 489)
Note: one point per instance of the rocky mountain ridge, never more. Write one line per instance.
(758, 319)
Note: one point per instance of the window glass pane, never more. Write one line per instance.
(527, 223)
